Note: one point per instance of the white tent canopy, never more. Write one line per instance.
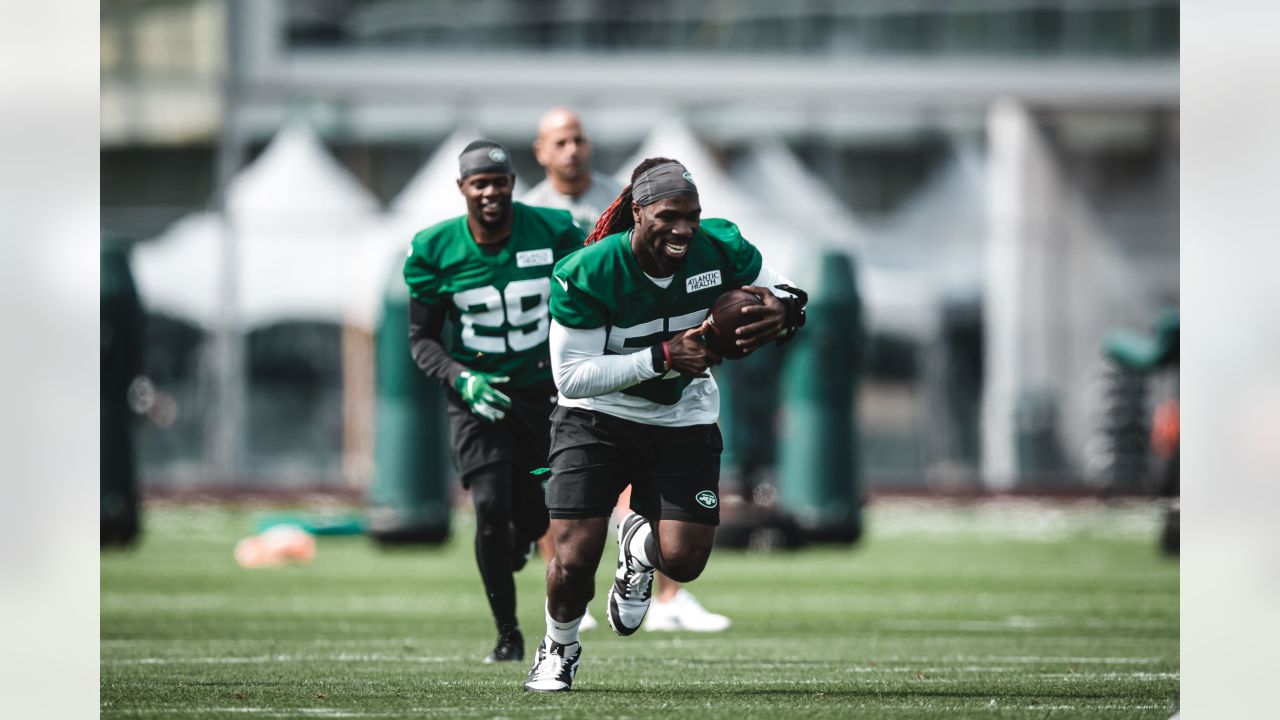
(776, 177)
(431, 195)
(940, 232)
(897, 299)
(929, 251)
(177, 272)
(295, 179)
(301, 229)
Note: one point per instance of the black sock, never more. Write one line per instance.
(491, 495)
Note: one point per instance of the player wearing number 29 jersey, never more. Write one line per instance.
(496, 301)
(488, 272)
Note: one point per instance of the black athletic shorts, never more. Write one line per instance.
(521, 438)
(674, 472)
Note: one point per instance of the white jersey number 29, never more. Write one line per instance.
(485, 307)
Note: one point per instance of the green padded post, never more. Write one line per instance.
(120, 362)
(409, 498)
(749, 390)
(1142, 352)
(820, 475)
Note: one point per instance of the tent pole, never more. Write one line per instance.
(223, 436)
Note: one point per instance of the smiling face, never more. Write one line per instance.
(663, 232)
(488, 198)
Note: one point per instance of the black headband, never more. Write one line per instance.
(484, 156)
(662, 181)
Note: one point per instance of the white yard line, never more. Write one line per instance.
(882, 664)
(255, 659)
(455, 711)
(899, 659)
(271, 712)
(1025, 623)
(1020, 670)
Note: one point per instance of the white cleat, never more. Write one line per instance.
(588, 623)
(554, 667)
(684, 612)
(630, 595)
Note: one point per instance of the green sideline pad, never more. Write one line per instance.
(339, 524)
(1008, 610)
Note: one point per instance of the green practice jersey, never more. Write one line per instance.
(497, 303)
(603, 286)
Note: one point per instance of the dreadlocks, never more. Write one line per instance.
(617, 217)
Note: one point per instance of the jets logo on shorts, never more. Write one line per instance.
(707, 499)
(497, 155)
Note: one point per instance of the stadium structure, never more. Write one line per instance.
(1004, 174)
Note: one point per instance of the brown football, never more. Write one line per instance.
(726, 317)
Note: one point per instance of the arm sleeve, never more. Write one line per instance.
(425, 325)
(582, 370)
(769, 278)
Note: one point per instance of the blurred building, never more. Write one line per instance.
(917, 116)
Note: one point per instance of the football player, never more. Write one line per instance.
(563, 149)
(488, 272)
(637, 405)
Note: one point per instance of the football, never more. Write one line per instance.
(726, 317)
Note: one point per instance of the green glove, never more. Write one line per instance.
(477, 390)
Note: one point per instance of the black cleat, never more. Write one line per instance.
(510, 648)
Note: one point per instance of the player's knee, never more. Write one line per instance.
(685, 564)
(576, 568)
(491, 503)
(491, 515)
(487, 510)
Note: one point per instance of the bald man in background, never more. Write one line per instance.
(564, 151)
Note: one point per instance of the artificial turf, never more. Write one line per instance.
(1004, 609)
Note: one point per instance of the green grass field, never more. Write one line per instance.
(1000, 609)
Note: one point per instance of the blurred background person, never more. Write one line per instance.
(563, 149)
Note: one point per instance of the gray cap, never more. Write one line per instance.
(484, 156)
(662, 181)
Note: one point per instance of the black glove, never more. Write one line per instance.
(796, 314)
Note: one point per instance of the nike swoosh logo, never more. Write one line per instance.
(562, 282)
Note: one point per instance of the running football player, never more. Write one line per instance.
(488, 273)
(636, 403)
